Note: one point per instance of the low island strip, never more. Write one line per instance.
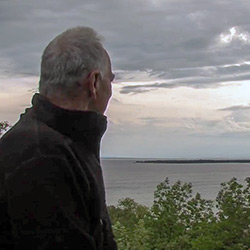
(194, 161)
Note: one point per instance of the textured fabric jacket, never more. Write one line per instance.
(51, 185)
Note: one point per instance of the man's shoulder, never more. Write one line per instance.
(30, 138)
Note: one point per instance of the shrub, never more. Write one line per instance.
(179, 220)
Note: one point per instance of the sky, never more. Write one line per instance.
(182, 87)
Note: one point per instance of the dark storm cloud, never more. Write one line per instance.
(176, 40)
(134, 89)
(191, 82)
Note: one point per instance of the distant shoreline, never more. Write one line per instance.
(193, 161)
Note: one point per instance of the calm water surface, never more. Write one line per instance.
(125, 178)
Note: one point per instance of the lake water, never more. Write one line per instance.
(125, 178)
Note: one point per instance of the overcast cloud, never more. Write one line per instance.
(159, 49)
(174, 39)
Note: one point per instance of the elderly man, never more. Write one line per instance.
(52, 194)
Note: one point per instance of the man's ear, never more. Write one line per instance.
(92, 83)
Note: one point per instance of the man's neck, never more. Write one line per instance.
(73, 104)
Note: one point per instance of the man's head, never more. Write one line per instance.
(76, 71)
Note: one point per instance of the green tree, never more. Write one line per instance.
(128, 224)
(231, 229)
(174, 213)
(178, 220)
(4, 125)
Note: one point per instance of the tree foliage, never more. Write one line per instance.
(180, 220)
(4, 125)
(129, 227)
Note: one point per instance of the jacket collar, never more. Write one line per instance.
(85, 127)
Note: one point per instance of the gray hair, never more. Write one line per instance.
(69, 58)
